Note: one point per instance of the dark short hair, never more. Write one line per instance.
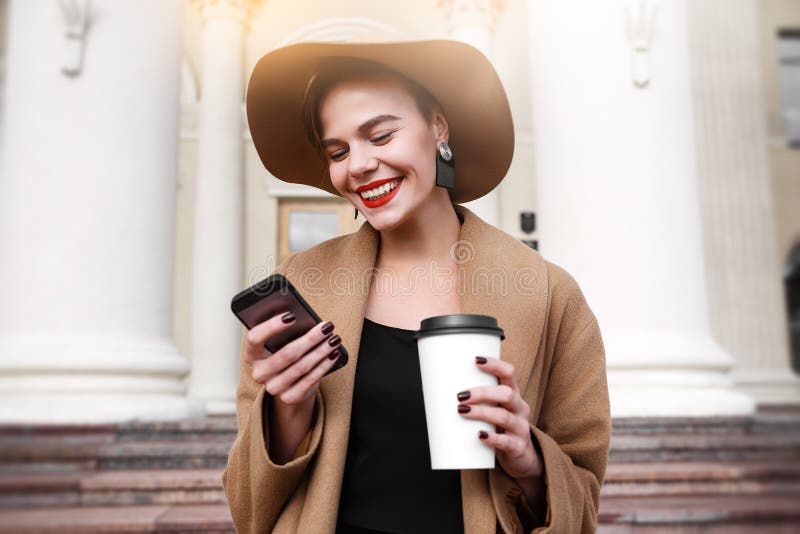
(341, 69)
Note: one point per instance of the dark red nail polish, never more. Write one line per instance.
(288, 317)
(335, 354)
(464, 395)
(335, 340)
(327, 328)
(480, 359)
(483, 434)
(463, 408)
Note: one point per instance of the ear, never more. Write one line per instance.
(441, 130)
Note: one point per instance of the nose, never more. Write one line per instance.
(362, 163)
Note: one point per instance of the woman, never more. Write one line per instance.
(380, 125)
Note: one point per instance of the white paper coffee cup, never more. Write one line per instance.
(447, 346)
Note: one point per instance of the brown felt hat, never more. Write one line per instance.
(459, 76)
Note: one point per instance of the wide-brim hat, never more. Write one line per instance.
(458, 75)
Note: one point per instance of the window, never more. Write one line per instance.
(305, 222)
(789, 78)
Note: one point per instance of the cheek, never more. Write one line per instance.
(338, 177)
(425, 163)
(417, 157)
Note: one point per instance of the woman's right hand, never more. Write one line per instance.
(292, 374)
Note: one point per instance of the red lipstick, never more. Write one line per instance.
(384, 199)
(375, 184)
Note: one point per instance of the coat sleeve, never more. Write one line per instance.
(256, 487)
(573, 429)
(573, 432)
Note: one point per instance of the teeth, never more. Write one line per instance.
(378, 191)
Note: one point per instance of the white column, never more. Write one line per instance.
(618, 199)
(87, 208)
(472, 22)
(219, 206)
(748, 312)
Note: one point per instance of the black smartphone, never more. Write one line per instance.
(276, 295)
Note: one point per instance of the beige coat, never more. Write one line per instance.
(552, 339)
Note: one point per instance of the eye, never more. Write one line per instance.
(381, 137)
(337, 155)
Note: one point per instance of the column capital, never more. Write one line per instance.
(240, 10)
(472, 12)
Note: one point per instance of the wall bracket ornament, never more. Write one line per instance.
(472, 12)
(77, 17)
(241, 10)
(640, 25)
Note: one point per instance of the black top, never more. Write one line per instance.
(388, 484)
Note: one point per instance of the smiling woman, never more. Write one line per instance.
(382, 126)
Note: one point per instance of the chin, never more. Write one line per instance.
(386, 220)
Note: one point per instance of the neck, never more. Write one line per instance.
(427, 235)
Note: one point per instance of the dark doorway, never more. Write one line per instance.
(791, 284)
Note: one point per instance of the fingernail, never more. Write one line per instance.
(327, 328)
(335, 340)
(335, 354)
(288, 317)
(464, 395)
(483, 434)
(463, 408)
(480, 359)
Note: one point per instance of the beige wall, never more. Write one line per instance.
(784, 162)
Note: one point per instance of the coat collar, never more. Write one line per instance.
(498, 276)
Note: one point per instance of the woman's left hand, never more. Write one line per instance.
(512, 439)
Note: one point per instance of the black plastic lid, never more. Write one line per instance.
(459, 323)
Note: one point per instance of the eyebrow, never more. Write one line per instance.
(368, 125)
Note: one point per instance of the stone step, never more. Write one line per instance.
(111, 488)
(705, 447)
(676, 479)
(204, 443)
(617, 516)
(758, 423)
(225, 426)
(217, 426)
(697, 513)
(195, 486)
(725, 528)
(205, 454)
(53, 447)
(209, 518)
(52, 455)
(58, 452)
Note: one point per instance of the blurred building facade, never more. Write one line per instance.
(658, 146)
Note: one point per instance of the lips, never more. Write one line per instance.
(384, 199)
(374, 184)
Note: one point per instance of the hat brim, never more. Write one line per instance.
(459, 76)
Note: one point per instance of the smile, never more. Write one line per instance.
(378, 196)
(380, 191)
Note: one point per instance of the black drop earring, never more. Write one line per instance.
(445, 167)
(356, 215)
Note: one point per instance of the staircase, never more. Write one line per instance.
(676, 475)
(720, 475)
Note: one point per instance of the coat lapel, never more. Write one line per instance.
(498, 276)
